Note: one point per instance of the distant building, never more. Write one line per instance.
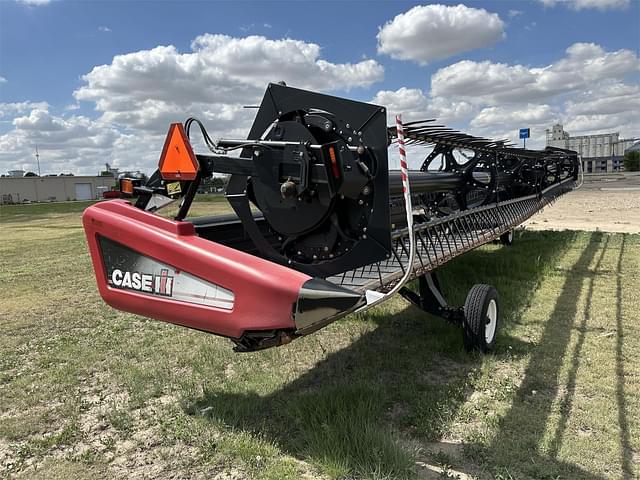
(53, 189)
(600, 153)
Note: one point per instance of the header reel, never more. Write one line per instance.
(316, 168)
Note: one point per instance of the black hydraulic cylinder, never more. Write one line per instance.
(423, 182)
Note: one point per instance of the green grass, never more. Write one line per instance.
(211, 197)
(90, 392)
(35, 210)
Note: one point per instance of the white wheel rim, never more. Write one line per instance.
(510, 236)
(492, 320)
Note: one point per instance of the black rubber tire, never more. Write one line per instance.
(475, 322)
(507, 238)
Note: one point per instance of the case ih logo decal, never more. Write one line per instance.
(144, 282)
(128, 270)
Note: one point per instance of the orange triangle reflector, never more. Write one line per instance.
(178, 161)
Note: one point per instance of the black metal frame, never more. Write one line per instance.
(509, 172)
(442, 239)
(430, 299)
(496, 189)
(356, 124)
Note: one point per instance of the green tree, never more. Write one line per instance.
(632, 161)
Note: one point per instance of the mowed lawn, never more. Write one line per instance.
(90, 392)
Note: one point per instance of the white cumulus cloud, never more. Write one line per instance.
(589, 90)
(139, 94)
(433, 32)
(150, 88)
(613, 107)
(77, 143)
(34, 3)
(585, 4)
(415, 104)
(584, 65)
(529, 115)
(10, 110)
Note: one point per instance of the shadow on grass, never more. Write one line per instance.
(626, 459)
(523, 427)
(556, 442)
(353, 412)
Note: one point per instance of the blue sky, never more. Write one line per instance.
(489, 67)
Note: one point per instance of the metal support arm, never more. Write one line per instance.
(431, 300)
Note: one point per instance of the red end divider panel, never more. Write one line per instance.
(159, 268)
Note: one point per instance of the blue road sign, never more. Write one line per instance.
(525, 132)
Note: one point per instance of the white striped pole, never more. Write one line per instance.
(374, 297)
(403, 155)
(404, 172)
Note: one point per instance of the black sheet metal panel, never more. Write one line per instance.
(320, 301)
(228, 230)
(356, 124)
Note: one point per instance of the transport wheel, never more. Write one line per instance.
(507, 238)
(480, 324)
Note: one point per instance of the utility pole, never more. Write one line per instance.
(38, 160)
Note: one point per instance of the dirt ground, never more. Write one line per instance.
(608, 203)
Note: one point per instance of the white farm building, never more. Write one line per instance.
(53, 189)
